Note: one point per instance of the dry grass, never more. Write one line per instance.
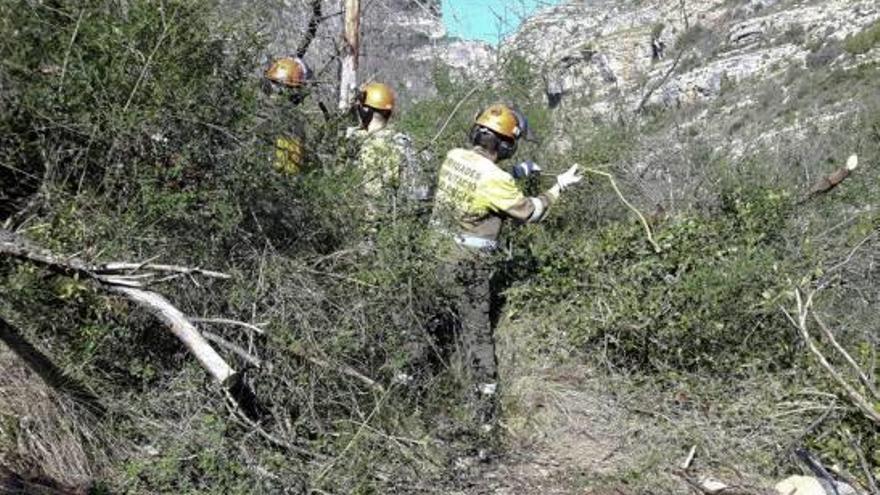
(597, 429)
(41, 433)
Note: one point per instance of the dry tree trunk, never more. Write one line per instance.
(350, 49)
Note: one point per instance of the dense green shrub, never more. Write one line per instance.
(864, 41)
(708, 302)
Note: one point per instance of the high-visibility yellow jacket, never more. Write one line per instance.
(474, 196)
(281, 125)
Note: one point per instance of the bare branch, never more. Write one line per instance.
(237, 349)
(183, 330)
(312, 30)
(13, 245)
(121, 266)
(146, 66)
(847, 357)
(69, 48)
(661, 82)
(225, 321)
(801, 325)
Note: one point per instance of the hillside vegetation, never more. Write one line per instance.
(136, 131)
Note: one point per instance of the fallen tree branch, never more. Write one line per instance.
(344, 369)
(13, 245)
(234, 348)
(629, 205)
(226, 321)
(847, 357)
(800, 324)
(119, 266)
(183, 330)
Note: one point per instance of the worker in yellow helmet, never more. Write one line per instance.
(284, 84)
(473, 198)
(392, 179)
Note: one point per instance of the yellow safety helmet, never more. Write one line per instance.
(377, 96)
(289, 71)
(503, 120)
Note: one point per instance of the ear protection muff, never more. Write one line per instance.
(502, 146)
(506, 148)
(365, 113)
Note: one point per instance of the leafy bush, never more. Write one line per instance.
(864, 41)
(707, 303)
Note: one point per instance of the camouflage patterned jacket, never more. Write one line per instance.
(392, 173)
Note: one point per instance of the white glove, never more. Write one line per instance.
(568, 178)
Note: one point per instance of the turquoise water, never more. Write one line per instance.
(488, 20)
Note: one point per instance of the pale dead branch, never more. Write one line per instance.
(847, 357)
(129, 286)
(686, 464)
(803, 308)
(226, 321)
(234, 348)
(120, 266)
(183, 329)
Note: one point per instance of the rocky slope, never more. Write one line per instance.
(735, 78)
(612, 52)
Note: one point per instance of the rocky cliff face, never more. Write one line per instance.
(730, 80)
(614, 54)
